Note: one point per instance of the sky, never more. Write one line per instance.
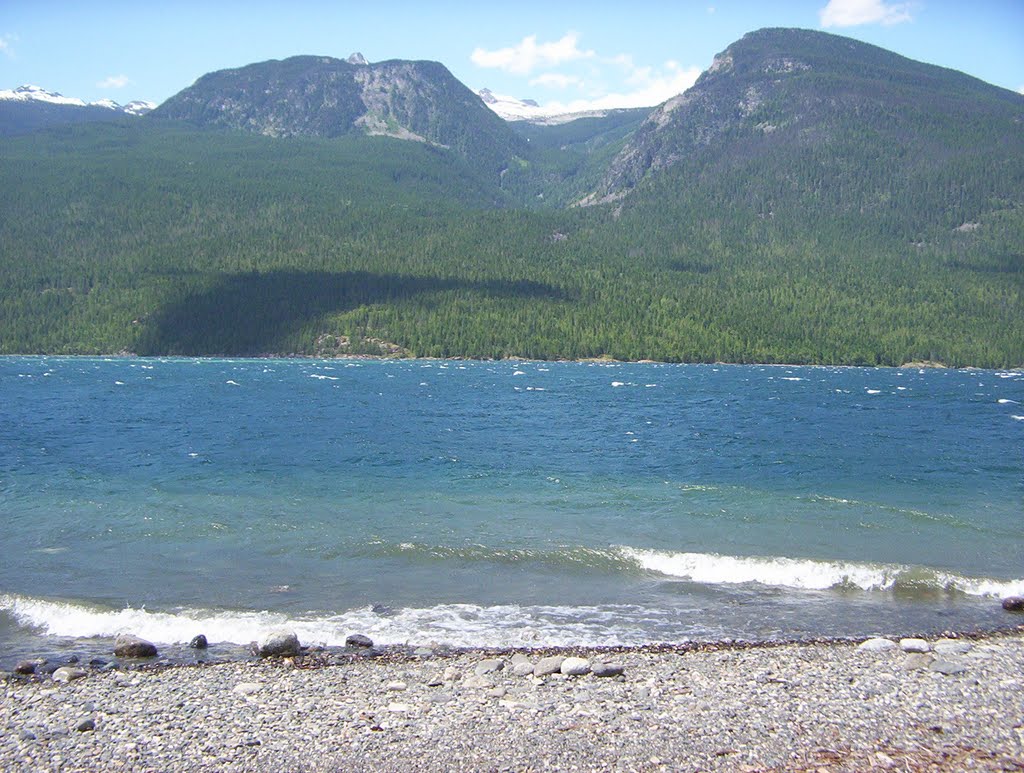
(561, 53)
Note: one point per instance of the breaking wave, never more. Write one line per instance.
(814, 574)
(460, 625)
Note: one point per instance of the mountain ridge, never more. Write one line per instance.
(30, 108)
(321, 96)
(762, 85)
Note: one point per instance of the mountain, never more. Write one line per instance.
(786, 92)
(811, 200)
(315, 96)
(29, 108)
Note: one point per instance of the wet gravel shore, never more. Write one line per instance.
(911, 705)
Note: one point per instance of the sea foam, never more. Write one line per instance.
(459, 625)
(813, 574)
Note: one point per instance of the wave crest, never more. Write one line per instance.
(814, 574)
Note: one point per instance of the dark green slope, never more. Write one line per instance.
(868, 114)
(17, 118)
(564, 161)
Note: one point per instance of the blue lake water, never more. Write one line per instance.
(502, 503)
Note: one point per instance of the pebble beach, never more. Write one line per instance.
(883, 704)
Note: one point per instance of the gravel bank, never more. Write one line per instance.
(785, 707)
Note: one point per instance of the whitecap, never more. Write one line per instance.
(1006, 401)
(874, 391)
(460, 625)
(232, 383)
(811, 574)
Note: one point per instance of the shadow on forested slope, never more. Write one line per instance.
(260, 313)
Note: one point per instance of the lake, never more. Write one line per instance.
(502, 503)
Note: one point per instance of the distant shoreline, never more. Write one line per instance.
(914, 365)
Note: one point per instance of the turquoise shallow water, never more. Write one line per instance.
(502, 503)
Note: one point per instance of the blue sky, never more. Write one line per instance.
(576, 54)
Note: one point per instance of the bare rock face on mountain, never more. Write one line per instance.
(324, 97)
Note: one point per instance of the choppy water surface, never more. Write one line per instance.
(504, 503)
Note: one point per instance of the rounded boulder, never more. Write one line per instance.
(128, 646)
(280, 644)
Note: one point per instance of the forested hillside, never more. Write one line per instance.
(851, 246)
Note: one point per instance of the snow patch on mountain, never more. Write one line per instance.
(30, 93)
(513, 109)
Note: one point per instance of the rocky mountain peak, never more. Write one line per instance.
(324, 97)
(798, 86)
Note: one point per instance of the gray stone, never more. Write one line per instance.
(247, 688)
(914, 645)
(948, 667)
(489, 666)
(25, 667)
(423, 652)
(129, 646)
(878, 644)
(917, 660)
(522, 668)
(198, 642)
(607, 669)
(452, 674)
(475, 682)
(952, 647)
(86, 725)
(575, 666)
(551, 665)
(69, 674)
(358, 640)
(497, 692)
(397, 686)
(280, 643)
(1014, 603)
(518, 658)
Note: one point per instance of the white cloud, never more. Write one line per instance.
(114, 82)
(652, 87)
(528, 55)
(851, 13)
(1020, 90)
(589, 80)
(5, 45)
(555, 80)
